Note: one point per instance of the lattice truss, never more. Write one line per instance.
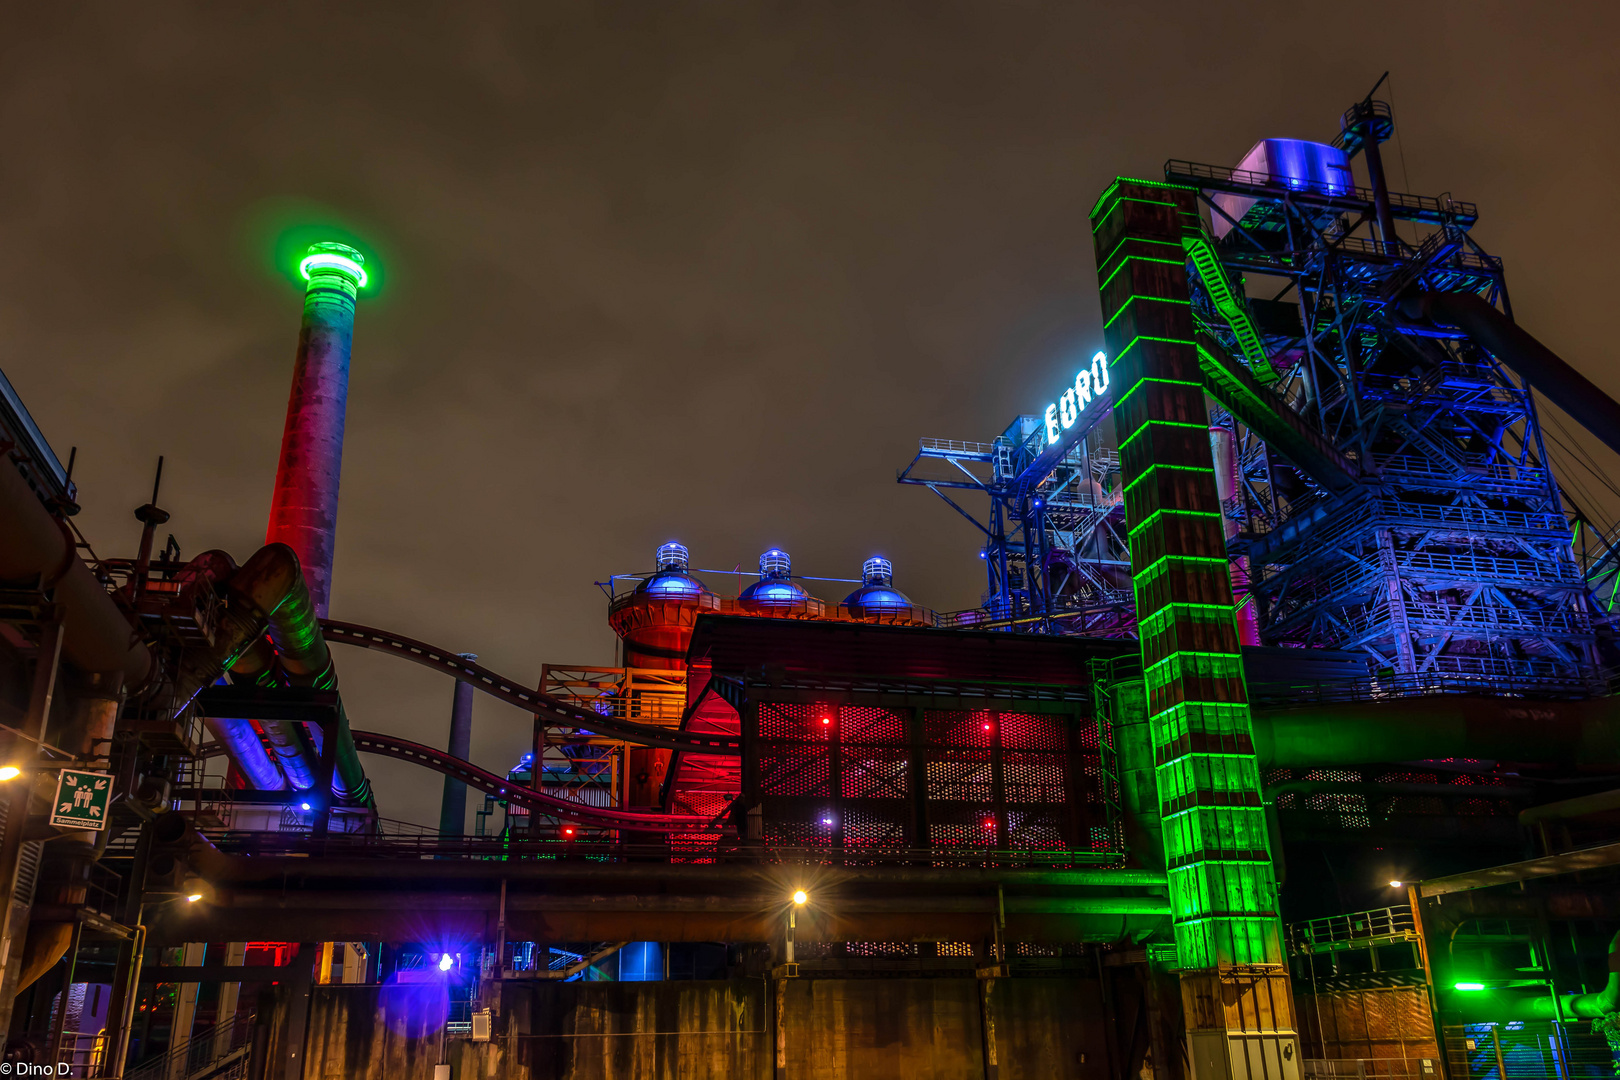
(843, 776)
(1054, 540)
(1393, 492)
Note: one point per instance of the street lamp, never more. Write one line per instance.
(9, 772)
(800, 898)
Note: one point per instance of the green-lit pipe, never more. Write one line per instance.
(1573, 734)
(295, 630)
(1498, 1006)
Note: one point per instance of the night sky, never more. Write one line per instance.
(700, 271)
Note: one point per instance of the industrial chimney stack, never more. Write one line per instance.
(303, 510)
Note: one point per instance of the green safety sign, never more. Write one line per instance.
(82, 799)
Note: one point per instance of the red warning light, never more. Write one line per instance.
(987, 727)
(826, 719)
(989, 823)
(568, 830)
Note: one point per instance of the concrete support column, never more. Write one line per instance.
(185, 1010)
(453, 809)
(300, 989)
(779, 990)
(229, 993)
(992, 1064)
(303, 510)
(1223, 893)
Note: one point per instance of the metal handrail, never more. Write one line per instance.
(1272, 184)
(697, 846)
(1363, 927)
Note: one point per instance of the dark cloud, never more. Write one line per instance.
(692, 270)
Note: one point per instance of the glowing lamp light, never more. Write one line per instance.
(349, 264)
(194, 897)
(446, 962)
(826, 821)
(826, 719)
(987, 727)
(989, 823)
(304, 806)
(801, 897)
(568, 830)
(9, 772)
(1469, 987)
(1397, 884)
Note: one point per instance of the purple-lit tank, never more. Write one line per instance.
(776, 594)
(1297, 163)
(877, 600)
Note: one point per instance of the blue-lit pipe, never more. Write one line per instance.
(242, 743)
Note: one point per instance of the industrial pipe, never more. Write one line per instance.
(1537, 365)
(295, 629)
(1591, 1006)
(1572, 734)
(89, 735)
(242, 742)
(453, 807)
(289, 749)
(37, 547)
(1501, 1006)
(1567, 809)
(210, 573)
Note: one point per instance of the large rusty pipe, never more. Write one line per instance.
(295, 629)
(289, 750)
(34, 545)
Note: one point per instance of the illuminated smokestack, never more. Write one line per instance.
(303, 510)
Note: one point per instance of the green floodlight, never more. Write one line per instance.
(1469, 987)
(331, 256)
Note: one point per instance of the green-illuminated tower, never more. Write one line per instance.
(1223, 892)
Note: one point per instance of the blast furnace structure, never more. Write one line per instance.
(1281, 744)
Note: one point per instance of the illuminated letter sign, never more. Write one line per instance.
(1089, 384)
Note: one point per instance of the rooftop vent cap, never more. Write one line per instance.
(775, 565)
(674, 556)
(877, 571)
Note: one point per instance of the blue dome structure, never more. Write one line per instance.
(672, 580)
(776, 593)
(877, 600)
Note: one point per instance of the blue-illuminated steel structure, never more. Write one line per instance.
(1388, 488)
(1054, 534)
(1449, 559)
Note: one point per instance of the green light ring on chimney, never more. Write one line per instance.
(335, 257)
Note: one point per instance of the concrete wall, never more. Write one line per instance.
(836, 1029)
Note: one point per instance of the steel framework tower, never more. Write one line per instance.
(1382, 476)
(1054, 536)
(1448, 559)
